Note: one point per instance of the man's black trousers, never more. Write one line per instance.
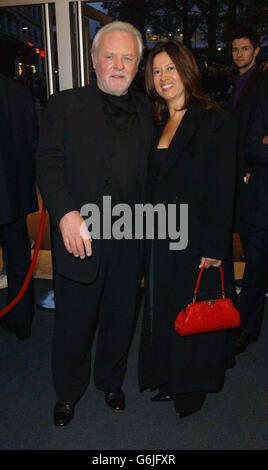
(255, 280)
(111, 301)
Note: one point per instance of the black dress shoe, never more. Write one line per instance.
(115, 399)
(163, 396)
(63, 413)
(189, 403)
(242, 340)
(189, 413)
(22, 335)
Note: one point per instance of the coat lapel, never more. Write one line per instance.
(97, 119)
(146, 124)
(182, 137)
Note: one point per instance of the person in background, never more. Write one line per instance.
(18, 130)
(192, 162)
(245, 49)
(254, 221)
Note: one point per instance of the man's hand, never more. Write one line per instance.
(75, 234)
(246, 178)
(208, 262)
(265, 140)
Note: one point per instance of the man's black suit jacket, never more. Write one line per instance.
(241, 113)
(256, 204)
(74, 165)
(17, 139)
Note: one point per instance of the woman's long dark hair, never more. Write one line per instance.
(187, 68)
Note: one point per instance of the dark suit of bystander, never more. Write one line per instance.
(18, 197)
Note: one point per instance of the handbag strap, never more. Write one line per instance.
(198, 281)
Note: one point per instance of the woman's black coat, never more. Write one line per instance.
(200, 172)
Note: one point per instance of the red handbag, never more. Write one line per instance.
(207, 315)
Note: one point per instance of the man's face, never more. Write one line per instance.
(116, 62)
(243, 54)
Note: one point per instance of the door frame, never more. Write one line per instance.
(63, 31)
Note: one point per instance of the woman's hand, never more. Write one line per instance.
(208, 262)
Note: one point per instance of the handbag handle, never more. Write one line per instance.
(198, 281)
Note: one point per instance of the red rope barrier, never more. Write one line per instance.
(31, 268)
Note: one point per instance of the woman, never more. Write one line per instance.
(192, 162)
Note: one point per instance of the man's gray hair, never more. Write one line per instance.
(117, 26)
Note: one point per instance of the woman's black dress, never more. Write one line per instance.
(186, 173)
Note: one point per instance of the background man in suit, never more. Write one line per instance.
(18, 198)
(245, 48)
(254, 221)
(94, 141)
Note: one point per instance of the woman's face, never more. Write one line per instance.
(167, 80)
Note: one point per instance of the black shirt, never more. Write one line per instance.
(124, 143)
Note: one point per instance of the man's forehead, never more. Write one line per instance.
(118, 38)
(241, 42)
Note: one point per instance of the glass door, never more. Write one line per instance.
(25, 51)
(52, 38)
(85, 19)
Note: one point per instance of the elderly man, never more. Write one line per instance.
(94, 142)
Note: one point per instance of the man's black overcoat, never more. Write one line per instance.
(256, 204)
(241, 112)
(74, 165)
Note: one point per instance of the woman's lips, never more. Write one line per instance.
(167, 86)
